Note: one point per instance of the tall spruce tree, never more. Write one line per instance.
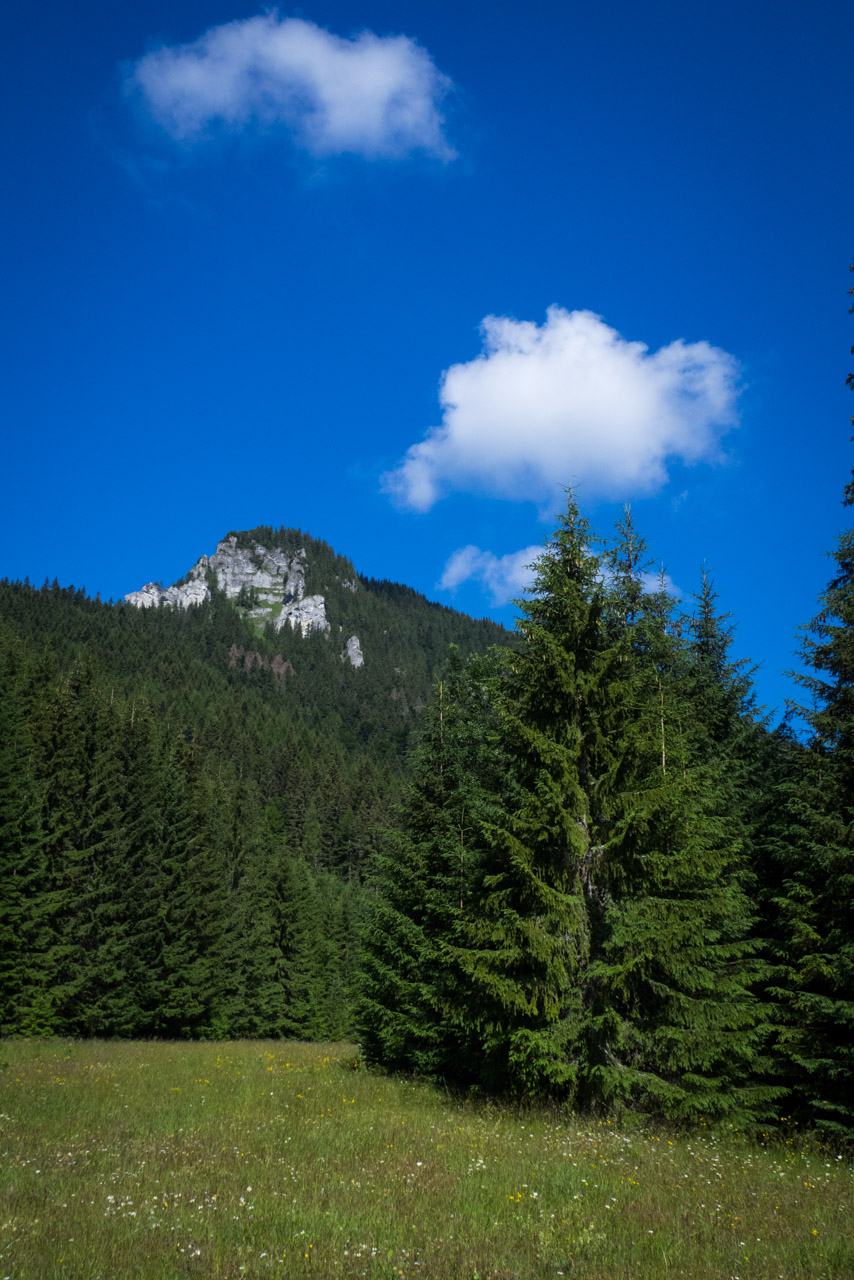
(24, 1005)
(191, 894)
(414, 1009)
(299, 935)
(101, 999)
(675, 1026)
(527, 941)
(142, 766)
(63, 768)
(816, 859)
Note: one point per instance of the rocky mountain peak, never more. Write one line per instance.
(269, 580)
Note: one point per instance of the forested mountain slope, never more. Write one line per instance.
(188, 795)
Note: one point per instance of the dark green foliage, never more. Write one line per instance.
(677, 1025)
(143, 762)
(489, 983)
(185, 813)
(95, 887)
(811, 861)
(24, 1002)
(601, 945)
(191, 895)
(415, 997)
(529, 937)
(300, 935)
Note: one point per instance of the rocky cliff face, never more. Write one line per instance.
(271, 580)
(353, 651)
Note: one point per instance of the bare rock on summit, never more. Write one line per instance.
(152, 594)
(274, 579)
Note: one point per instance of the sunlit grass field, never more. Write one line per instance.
(122, 1160)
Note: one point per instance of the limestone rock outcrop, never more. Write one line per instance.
(153, 594)
(353, 651)
(271, 579)
(307, 612)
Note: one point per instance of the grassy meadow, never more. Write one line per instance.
(123, 1160)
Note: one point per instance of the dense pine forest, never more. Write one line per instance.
(573, 863)
(188, 804)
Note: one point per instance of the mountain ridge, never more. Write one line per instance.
(279, 576)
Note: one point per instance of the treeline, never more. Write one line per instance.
(611, 884)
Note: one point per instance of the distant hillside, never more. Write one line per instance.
(231, 653)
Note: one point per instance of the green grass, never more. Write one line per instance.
(123, 1160)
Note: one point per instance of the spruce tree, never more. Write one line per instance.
(414, 1010)
(102, 1003)
(676, 1025)
(63, 766)
(190, 893)
(299, 938)
(251, 994)
(816, 859)
(24, 1000)
(142, 765)
(341, 903)
(527, 939)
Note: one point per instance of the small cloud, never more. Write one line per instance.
(510, 576)
(369, 95)
(571, 398)
(653, 582)
(504, 577)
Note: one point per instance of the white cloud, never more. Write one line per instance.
(569, 401)
(510, 576)
(375, 96)
(504, 577)
(654, 582)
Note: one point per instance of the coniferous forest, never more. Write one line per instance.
(188, 807)
(611, 882)
(574, 862)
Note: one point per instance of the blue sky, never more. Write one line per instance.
(394, 274)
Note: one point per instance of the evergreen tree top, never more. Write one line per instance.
(568, 566)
